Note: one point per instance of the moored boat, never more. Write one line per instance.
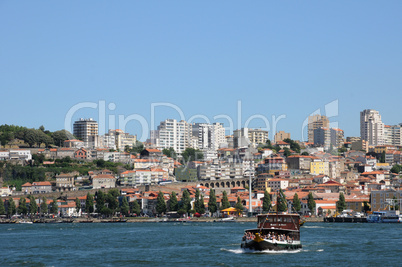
(387, 216)
(275, 231)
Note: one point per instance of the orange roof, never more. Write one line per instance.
(42, 183)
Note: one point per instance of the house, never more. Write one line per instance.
(68, 209)
(41, 187)
(74, 143)
(65, 182)
(103, 181)
(81, 153)
(151, 153)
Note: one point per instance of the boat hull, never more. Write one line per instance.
(266, 245)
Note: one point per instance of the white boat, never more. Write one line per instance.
(23, 221)
(386, 216)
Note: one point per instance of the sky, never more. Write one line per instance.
(259, 64)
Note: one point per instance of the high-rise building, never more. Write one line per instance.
(87, 131)
(322, 137)
(337, 137)
(393, 135)
(246, 136)
(315, 122)
(172, 134)
(371, 127)
(281, 135)
(208, 136)
(121, 139)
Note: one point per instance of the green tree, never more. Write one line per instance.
(202, 205)
(125, 208)
(239, 205)
(77, 205)
(396, 168)
(89, 204)
(33, 207)
(169, 152)
(305, 153)
(296, 202)
(173, 203)
(135, 207)
(22, 206)
(286, 152)
(266, 201)
(112, 202)
(138, 147)
(54, 208)
(60, 136)
(212, 206)
(225, 201)
(293, 145)
(11, 207)
(160, 203)
(341, 203)
(311, 203)
(100, 202)
(114, 192)
(197, 202)
(31, 137)
(282, 204)
(186, 201)
(382, 158)
(43, 206)
(2, 208)
(366, 206)
(191, 154)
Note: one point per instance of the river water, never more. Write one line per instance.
(193, 244)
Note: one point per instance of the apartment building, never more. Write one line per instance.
(172, 134)
(87, 131)
(315, 122)
(281, 135)
(371, 127)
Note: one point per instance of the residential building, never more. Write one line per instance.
(371, 127)
(245, 137)
(122, 139)
(276, 184)
(281, 135)
(20, 154)
(382, 199)
(41, 187)
(208, 137)
(74, 143)
(65, 182)
(322, 137)
(337, 137)
(393, 135)
(87, 131)
(103, 181)
(318, 166)
(315, 122)
(172, 134)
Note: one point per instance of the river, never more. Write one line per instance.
(193, 244)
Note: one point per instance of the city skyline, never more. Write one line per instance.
(275, 58)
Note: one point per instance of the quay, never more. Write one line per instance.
(345, 220)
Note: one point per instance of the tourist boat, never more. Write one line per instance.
(275, 231)
(387, 216)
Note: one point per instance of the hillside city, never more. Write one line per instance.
(195, 168)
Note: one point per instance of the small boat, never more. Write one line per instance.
(387, 216)
(25, 222)
(227, 219)
(275, 231)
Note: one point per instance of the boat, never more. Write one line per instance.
(25, 222)
(227, 219)
(386, 216)
(275, 231)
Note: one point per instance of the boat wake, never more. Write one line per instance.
(249, 251)
(313, 227)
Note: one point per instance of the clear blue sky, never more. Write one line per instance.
(276, 57)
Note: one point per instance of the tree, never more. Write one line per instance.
(77, 205)
(212, 206)
(100, 202)
(341, 204)
(125, 208)
(2, 208)
(173, 203)
(266, 202)
(202, 205)
(296, 202)
(186, 201)
(135, 207)
(197, 202)
(138, 147)
(33, 207)
(282, 204)
(89, 204)
(22, 206)
(11, 207)
(239, 205)
(191, 154)
(293, 145)
(396, 168)
(54, 208)
(382, 158)
(311, 203)
(225, 201)
(366, 206)
(286, 152)
(60, 136)
(305, 153)
(160, 203)
(169, 152)
(43, 206)
(112, 204)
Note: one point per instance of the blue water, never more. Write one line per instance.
(193, 244)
